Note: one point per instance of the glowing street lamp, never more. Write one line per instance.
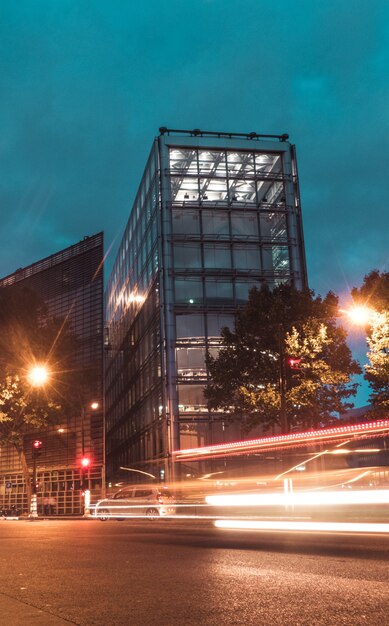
(38, 375)
(360, 315)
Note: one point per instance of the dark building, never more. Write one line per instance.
(71, 284)
(215, 215)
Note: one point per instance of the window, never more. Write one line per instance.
(184, 189)
(188, 291)
(185, 222)
(217, 256)
(189, 326)
(187, 256)
(217, 291)
(273, 225)
(244, 224)
(216, 322)
(190, 362)
(215, 223)
(183, 161)
(123, 495)
(191, 398)
(212, 163)
(246, 257)
(242, 290)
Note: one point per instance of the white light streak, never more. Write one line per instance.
(342, 527)
(311, 498)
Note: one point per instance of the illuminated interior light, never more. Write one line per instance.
(347, 527)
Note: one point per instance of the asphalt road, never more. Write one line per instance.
(170, 573)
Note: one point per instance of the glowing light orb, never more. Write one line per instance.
(38, 375)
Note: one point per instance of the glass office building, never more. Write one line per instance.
(71, 284)
(215, 215)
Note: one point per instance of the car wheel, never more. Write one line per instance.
(103, 515)
(152, 514)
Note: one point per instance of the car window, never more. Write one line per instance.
(142, 493)
(123, 495)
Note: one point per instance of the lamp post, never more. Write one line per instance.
(85, 460)
(38, 375)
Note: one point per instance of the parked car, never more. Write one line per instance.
(139, 501)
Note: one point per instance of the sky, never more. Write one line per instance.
(85, 87)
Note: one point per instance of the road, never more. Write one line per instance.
(178, 573)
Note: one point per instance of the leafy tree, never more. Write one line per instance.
(374, 293)
(28, 336)
(250, 378)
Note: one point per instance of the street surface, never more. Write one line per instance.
(185, 573)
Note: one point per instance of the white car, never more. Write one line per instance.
(140, 501)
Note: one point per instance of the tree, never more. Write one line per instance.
(374, 293)
(250, 379)
(29, 336)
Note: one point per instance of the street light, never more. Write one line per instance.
(38, 376)
(360, 315)
(85, 460)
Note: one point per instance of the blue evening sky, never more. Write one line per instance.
(86, 85)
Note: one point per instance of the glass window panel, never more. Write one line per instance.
(218, 291)
(280, 258)
(267, 259)
(187, 255)
(191, 398)
(247, 257)
(244, 224)
(216, 322)
(215, 223)
(188, 291)
(213, 189)
(183, 161)
(242, 290)
(189, 326)
(242, 191)
(212, 163)
(190, 362)
(240, 163)
(273, 225)
(186, 222)
(267, 163)
(184, 189)
(216, 256)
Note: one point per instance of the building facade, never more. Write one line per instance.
(71, 284)
(215, 215)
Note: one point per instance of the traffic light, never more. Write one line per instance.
(36, 448)
(294, 364)
(85, 464)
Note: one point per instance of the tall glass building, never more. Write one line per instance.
(215, 214)
(71, 284)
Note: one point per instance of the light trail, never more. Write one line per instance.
(340, 527)
(309, 499)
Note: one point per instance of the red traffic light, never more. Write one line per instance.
(294, 364)
(85, 461)
(36, 444)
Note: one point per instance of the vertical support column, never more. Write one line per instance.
(294, 222)
(170, 400)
